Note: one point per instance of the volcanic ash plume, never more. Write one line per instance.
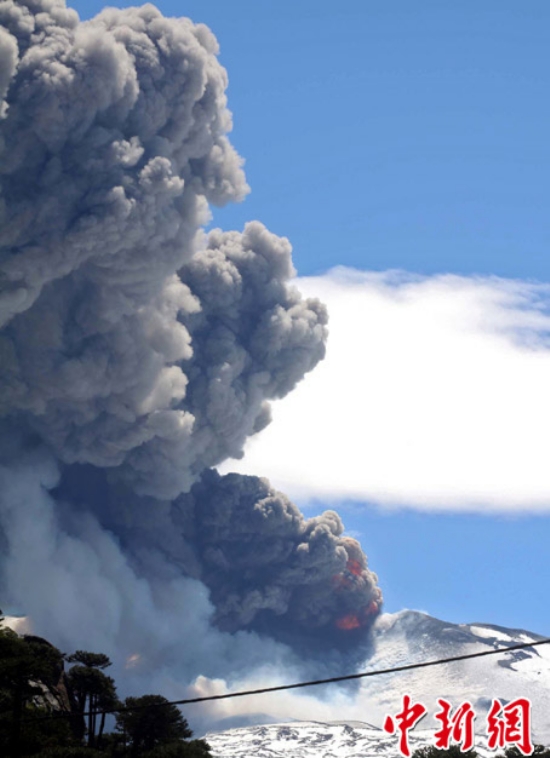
(267, 568)
(137, 352)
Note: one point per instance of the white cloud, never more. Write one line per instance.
(434, 394)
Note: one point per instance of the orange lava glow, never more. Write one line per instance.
(357, 620)
(347, 577)
(348, 622)
(350, 579)
(354, 567)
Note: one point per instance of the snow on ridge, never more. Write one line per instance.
(488, 633)
(316, 739)
(407, 637)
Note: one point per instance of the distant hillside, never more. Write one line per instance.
(404, 638)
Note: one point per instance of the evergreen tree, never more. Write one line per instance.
(90, 660)
(94, 692)
(513, 752)
(32, 691)
(453, 751)
(192, 749)
(69, 752)
(30, 672)
(153, 727)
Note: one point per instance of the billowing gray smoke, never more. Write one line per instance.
(259, 554)
(136, 352)
(266, 566)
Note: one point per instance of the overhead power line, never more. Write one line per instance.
(361, 675)
(313, 682)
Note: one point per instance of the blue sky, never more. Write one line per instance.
(414, 136)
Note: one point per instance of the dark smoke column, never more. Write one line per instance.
(270, 568)
(137, 352)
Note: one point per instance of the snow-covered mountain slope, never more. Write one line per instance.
(410, 636)
(315, 739)
(403, 638)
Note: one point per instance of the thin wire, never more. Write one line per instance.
(296, 685)
(362, 675)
